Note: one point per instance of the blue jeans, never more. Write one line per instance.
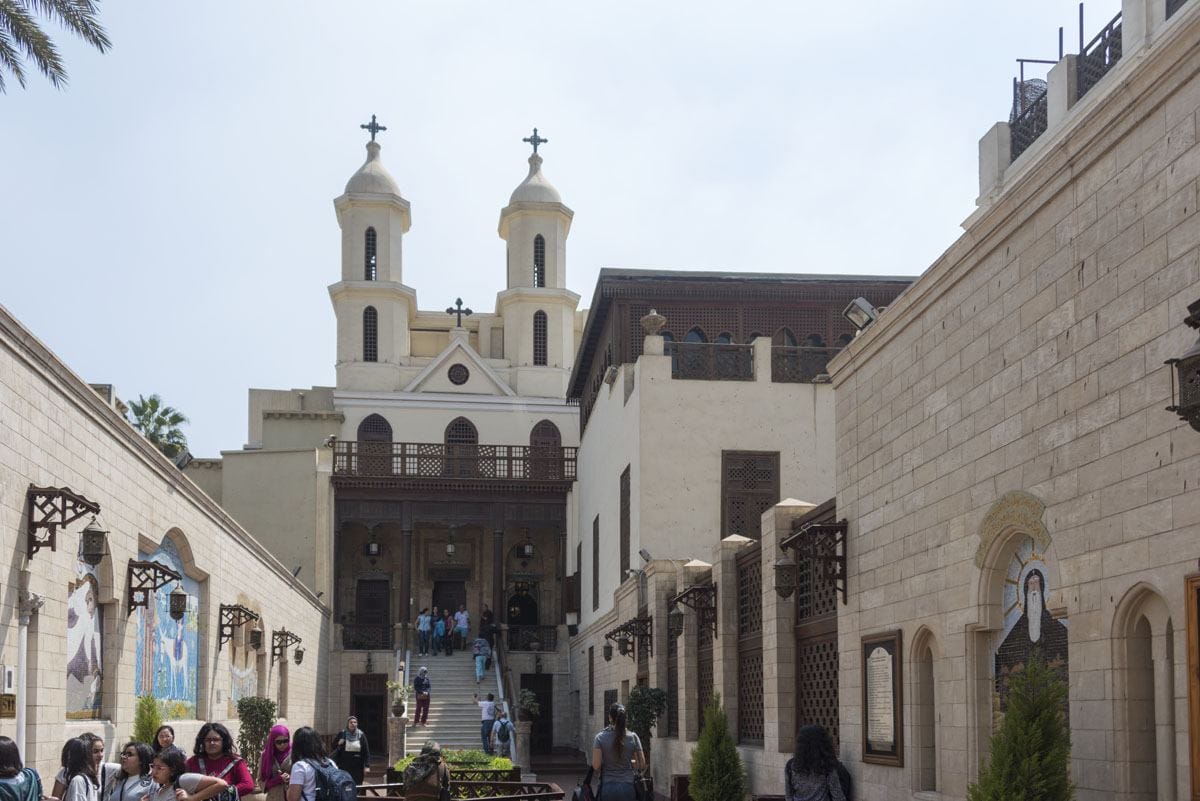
(616, 791)
(485, 734)
(480, 666)
(423, 641)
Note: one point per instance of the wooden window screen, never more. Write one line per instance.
(817, 640)
(374, 428)
(370, 334)
(461, 431)
(625, 533)
(672, 685)
(1192, 603)
(596, 563)
(539, 260)
(540, 338)
(750, 717)
(371, 264)
(591, 679)
(704, 669)
(749, 486)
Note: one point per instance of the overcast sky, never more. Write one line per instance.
(167, 222)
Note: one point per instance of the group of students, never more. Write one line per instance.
(161, 771)
(439, 632)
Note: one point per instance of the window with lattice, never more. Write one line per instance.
(374, 428)
(540, 338)
(750, 711)
(672, 684)
(539, 260)
(591, 679)
(749, 487)
(704, 670)
(461, 431)
(371, 264)
(784, 337)
(596, 563)
(370, 326)
(625, 533)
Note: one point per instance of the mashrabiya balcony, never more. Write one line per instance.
(440, 460)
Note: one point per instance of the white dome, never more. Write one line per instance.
(535, 188)
(372, 178)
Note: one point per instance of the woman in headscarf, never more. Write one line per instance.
(275, 765)
(426, 775)
(350, 750)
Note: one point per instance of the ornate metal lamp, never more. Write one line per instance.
(1187, 375)
(608, 652)
(256, 637)
(675, 622)
(92, 543)
(786, 576)
(298, 655)
(179, 602)
(527, 550)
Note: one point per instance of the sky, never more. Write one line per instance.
(166, 220)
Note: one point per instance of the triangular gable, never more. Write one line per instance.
(483, 379)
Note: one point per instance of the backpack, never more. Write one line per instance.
(230, 793)
(333, 783)
(844, 778)
(505, 731)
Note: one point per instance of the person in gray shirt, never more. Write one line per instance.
(616, 754)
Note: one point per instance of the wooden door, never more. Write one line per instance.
(372, 605)
(541, 736)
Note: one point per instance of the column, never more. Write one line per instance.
(1164, 717)
(498, 573)
(406, 616)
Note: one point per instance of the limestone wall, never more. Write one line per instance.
(57, 432)
(1018, 390)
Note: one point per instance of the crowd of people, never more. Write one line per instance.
(443, 631)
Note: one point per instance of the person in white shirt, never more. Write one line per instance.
(172, 783)
(487, 713)
(462, 624)
(307, 750)
(104, 770)
(79, 772)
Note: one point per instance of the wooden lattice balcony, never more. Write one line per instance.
(435, 460)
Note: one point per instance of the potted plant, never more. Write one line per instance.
(527, 705)
(401, 691)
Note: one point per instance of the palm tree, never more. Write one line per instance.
(22, 37)
(158, 423)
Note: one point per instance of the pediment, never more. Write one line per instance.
(480, 378)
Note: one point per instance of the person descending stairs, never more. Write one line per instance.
(454, 716)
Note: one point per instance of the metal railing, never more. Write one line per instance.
(1098, 56)
(532, 638)
(799, 365)
(367, 637)
(1030, 116)
(706, 361)
(440, 460)
(504, 692)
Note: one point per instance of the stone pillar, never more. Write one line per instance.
(406, 616)
(1164, 718)
(762, 358)
(725, 645)
(1062, 90)
(995, 154)
(498, 574)
(397, 737)
(1140, 20)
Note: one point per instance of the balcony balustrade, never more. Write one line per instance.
(532, 638)
(367, 637)
(799, 365)
(441, 461)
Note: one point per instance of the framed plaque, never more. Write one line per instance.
(883, 699)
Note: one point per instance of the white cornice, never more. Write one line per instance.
(450, 400)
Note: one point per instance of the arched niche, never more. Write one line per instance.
(925, 660)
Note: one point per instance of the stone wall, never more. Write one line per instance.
(58, 432)
(1016, 393)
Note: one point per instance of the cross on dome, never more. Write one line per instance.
(535, 140)
(375, 127)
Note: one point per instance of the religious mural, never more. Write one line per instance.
(168, 656)
(85, 644)
(1028, 625)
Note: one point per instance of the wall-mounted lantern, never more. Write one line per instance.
(230, 617)
(256, 637)
(281, 640)
(607, 651)
(179, 602)
(146, 578)
(373, 549)
(786, 576)
(92, 542)
(298, 655)
(1187, 375)
(527, 550)
(51, 508)
(675, 622)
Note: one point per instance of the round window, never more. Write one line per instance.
(458, 374)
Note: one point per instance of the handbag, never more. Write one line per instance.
(583, 790)
(643, 786)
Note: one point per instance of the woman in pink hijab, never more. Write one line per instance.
(276, 763)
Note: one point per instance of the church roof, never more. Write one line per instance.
(372, 178)
(535, 188)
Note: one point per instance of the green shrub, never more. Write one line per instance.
(468, 759)
(1031, 750)
(146, 719)
(717, 772)
(643, 709)
(257, 716)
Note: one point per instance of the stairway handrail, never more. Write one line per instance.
(503, 682)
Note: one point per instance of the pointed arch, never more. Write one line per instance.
(784, 338)
(924, 656)
(545, 435)
(696, 334)
(724, 338)
(540, 337)
(539, 260)
(370, 260)
(370, 325)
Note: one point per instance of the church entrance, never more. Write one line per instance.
(541, 736)
(451, 595)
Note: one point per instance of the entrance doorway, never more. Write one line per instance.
(450, 595)
(522, 606)
(368, 702)
(541, 737)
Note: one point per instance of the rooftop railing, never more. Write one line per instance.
(799, 365)
(1098, 56)
(707, 361)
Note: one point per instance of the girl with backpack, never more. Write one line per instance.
(813, 773)
(172, 782)
(17, 782)
(213, 755)
(276, 763)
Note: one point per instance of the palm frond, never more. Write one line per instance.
(80, 17)
(28, 37)
(10, 60)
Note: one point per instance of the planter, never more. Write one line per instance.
(398, 709)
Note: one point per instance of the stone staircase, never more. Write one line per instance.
(453, 715)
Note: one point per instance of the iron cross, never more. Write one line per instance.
(458, 309)
(375, 127)
(535, 140)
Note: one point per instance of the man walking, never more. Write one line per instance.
(502, 732)
(487, 714)
(422, 688)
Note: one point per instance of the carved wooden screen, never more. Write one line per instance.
(749, 487)
(624, 523)
(704, 668)
(672, 684)
(750, 652)
(591, 679)
(610, 698)
(817, 640)
(596, 563)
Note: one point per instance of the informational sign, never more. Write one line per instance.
(883, 699)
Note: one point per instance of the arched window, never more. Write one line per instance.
(785, 337)
(545, 451)
(370, 334)
(925, 708)
(375, 428)
(370, 265)
(844, 340)
(814, 341)
(461, 431)
(545, 435)
(540, 337)
(695, 335)
(539, 261)
(724, 338)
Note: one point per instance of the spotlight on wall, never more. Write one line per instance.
(860, 313)
(642, 552)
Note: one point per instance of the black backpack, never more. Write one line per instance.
(505, 731)
(333, 783)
